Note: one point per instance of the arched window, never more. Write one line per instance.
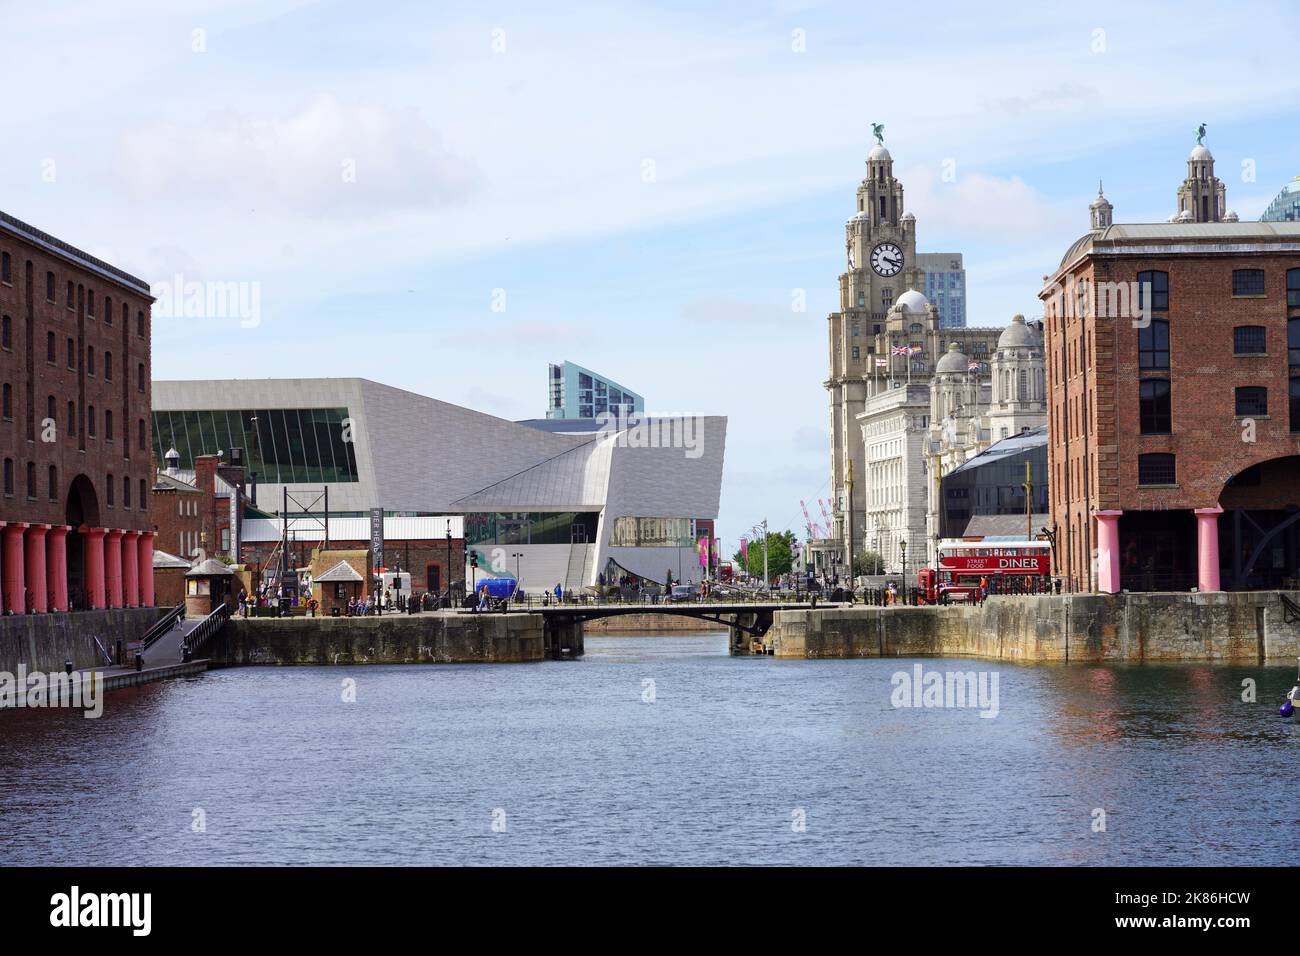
(108, 424)
(139, 377)
(139, 434)
(108, 366)
(1156, 285)
(31, 479)
(126, 491)
(6, 332)
(49, 408)
(108, 489)
(71, 423)
(143, 497)
(52, 480)
(90, 360)
(49, 348)
(9, 476)
(90, 420)
(7, 403)
(139, 324)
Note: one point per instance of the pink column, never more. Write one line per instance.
(130, 569)
(56, 567)
(93, 539)
(145, 557)
(35, 561)
(1207, 547)
(113, 566)
(15, 585)
(1107, 551)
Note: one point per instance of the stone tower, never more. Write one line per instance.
(1201, 197)
(1101, 212)
(881, 264)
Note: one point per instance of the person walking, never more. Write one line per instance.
(483, 598)
(559, 594)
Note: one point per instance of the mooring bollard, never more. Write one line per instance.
(139, 661)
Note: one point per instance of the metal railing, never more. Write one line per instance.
(210, 625)
(163, 625)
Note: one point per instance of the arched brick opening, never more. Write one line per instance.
(1259, 530)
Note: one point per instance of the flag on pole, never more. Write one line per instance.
(973, 367)
(882, 362)
(900, 350)
(916, 348)
(702, 547)
(744, 551)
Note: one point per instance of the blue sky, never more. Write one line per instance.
(506, 146)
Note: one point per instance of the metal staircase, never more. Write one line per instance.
(576, 575)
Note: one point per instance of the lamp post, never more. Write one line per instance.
(449, 562)
(517, 555)
(902, 547)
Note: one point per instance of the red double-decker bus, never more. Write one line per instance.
(1017, 567)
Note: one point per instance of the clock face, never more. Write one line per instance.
(887, 259)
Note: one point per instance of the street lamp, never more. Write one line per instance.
(902, 547)
(517, 555)
(449, 562)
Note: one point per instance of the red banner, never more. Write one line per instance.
(998, 564)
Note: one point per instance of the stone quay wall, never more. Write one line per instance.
(655, 623)
(42, 642)
(443, 637)
(1218, 626)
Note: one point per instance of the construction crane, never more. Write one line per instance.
(826, 514)
(813, 530)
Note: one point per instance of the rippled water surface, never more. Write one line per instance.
(576, 766)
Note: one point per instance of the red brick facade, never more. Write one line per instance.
(1096, 376)
(75, 429)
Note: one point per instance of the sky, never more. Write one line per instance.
(448, 197)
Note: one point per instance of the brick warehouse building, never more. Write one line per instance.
(75, 511)
(1174, 388)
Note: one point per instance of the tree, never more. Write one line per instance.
(868, 562)
(780, 555)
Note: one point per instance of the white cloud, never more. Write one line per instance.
(326, 158)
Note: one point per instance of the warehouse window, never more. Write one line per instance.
(1154, 406)
(1247, 281)
(1156, 469)
(1153, 287)
(1252, 400)
(1248, 340)
(1153, 344)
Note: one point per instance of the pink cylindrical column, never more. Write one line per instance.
(35, 567)
(93, 543)
(15, 584)
(1207, 547)
(130, 569)
(145, 556)
(56, 567)
(113, 566)
(1107, 551)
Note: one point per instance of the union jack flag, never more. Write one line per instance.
(900, 350)
(973, 367)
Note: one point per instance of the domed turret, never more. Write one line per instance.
(1017, 335)
(953, 361)
(912, 301)
(878, 152)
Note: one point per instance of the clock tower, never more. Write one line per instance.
(880, 249)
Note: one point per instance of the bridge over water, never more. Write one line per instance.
(745, 622)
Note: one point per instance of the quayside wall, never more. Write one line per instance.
(443, 638)
(43, 642)
(1213, 626)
